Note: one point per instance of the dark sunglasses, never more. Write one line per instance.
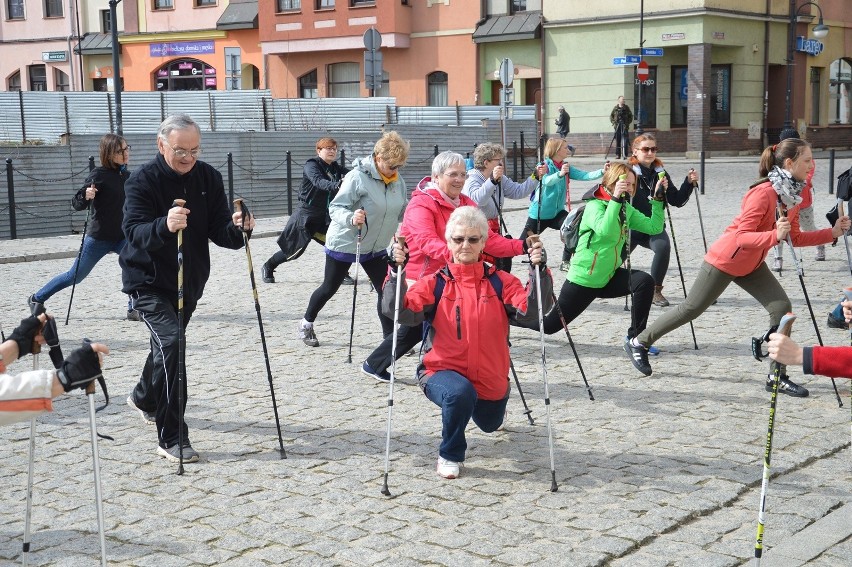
(648, 149)
(470, 239)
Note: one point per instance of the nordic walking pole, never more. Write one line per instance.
(28, 514)
(181, 339)
(571, 343)
(553, 485)
(527, 410)
(400, 274)
(90, 393)
(239, 206)
(25, 555)
(801, 272)
(784, 328)
(700, 219)
(354, 294)
(677, 257)
(79, 255)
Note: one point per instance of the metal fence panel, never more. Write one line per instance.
(330, 113)
(10, 117)
(44, 116)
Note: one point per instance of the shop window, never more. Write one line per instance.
(106, 21)
(13, 83)
(233, 69)
(816, 96)
(60, 80)
(289, 5)
(344, 80)
(325, 4)
(164, 4)
(719, 91)
(646, 113)
(437, 89)
(38, 77)
(840, 92)
(185, 75)
(53, 8)
(15, 9)
(308, 85)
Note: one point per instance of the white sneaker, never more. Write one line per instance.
(306, 333)
(447, 469)
(820, 253)
(778, 265)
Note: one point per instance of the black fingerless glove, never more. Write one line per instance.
(80, 368)
(25, 335)
(392, 262)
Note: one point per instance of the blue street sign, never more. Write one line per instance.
(652, 51)
(633, 59)
(619, 61)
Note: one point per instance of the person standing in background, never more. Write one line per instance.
(621, 117)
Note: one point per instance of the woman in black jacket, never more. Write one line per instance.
(647, 166)
(103, 191)
(320, 183)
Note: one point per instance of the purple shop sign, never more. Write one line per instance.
(210, 82)
(181, 48)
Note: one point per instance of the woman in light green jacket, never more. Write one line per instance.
(368, 208)
(595, 269)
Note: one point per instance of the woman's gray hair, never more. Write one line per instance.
(176, 122)
(485, 152)
(444, 161)
(467, 217)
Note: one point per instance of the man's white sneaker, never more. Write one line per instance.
(447, 469)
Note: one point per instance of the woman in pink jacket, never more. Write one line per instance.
(769, 213)
(423, 226)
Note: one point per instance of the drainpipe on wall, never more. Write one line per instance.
(483, 17)
(764, 126)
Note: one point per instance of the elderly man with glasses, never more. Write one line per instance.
(149, 264)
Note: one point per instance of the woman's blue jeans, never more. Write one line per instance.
(93, 251)
(458, 401)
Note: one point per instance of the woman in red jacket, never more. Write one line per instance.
(423, 226)
(465, 368)
(769, 213)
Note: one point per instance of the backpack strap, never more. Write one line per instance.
(441, 278)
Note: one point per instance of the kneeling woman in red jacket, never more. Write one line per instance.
(465, 368)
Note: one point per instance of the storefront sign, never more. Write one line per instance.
(54, 56)
(673, 36)
(181, 48)
(809, 46)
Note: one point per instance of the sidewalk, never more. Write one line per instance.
(657, 471)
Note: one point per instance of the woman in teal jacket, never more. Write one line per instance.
(595, 269)
(549, 202)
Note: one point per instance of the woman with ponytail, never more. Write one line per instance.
(646, 165)
(769, 214)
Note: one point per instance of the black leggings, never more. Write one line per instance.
(335, 271)
(660, 245)
(573, 300)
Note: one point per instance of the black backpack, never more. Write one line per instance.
(844, 185)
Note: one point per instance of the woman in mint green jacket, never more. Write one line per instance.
(552, 200)
(595, 269)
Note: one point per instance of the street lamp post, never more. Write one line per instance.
(116, 73)
(820, 31)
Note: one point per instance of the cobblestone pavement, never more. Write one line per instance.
(656, 471)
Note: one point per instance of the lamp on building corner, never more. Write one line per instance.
(820, 31)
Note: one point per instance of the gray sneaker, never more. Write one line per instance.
(306, 333)
(148, 417)
(172, 453)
